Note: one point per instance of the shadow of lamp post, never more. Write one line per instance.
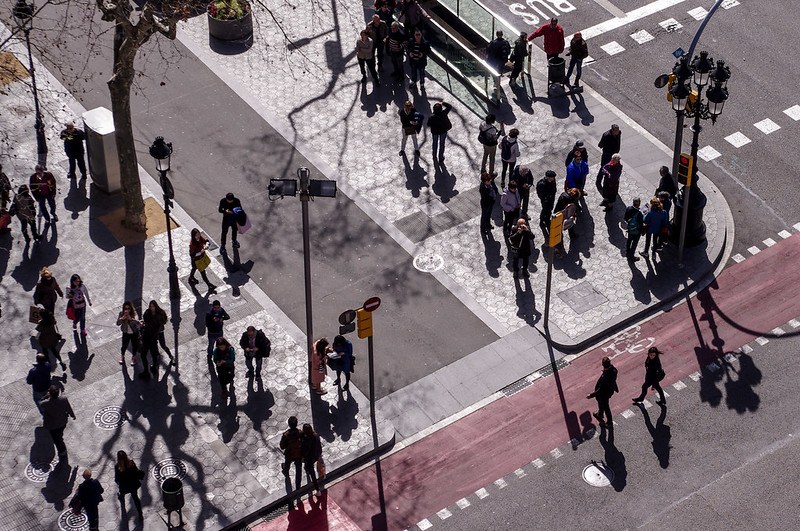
(23, 13)
(162, 152)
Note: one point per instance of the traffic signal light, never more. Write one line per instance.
(364, 322)
(685, 166)
(672, 78)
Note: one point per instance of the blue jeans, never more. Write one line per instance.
(212, 342)
(229, 224)
(44, 202)
(578, 65)
(438, 141)
(417, 71)
(80, 317)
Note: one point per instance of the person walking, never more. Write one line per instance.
(666, 183)
(226, 207)
(396, 41)
(47, 291)
(411, 122)
(49, 337)
(365, 53)
(579, 146)
(418, 51)
(509, 153)
(489, 194)
(90, 494)
(318, 365)
(311, 452)
(611, 174)
(488, 135)
(56, 411)
(439, 124)
(77, 299)
(610, 144)
(520, 242)
(39, 379)
(518, 56)
(378, 30)
(553, 35)
(129, 324)
(604, 389)
(577, 170)
(653, 374)
(255, 346)
(524, 178)
(413, 15)
(224, 358)
(343, 350)
(510, 203)
(653, 222)
(635, 222)
(128, 478)
(497, 52)
(546, 190)
(578, 51)
(43, 187)
(215, 319)
(199, 258)
(154, 319)
(24, 208)
(291, 445)
(73, 147)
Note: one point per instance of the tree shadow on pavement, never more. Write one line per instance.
(661, 434)
(614, 459)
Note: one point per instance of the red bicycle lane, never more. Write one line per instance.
(748, 300)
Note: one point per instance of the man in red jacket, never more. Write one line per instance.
(553, 38)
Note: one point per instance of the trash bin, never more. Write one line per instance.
(556, 70)
(172, 491)
(101, 149)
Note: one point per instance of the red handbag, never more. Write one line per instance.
(70, 311)
(5, 220)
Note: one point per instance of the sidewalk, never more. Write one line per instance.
(175, 425)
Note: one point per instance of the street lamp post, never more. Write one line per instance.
(162, 152)
(23, 13)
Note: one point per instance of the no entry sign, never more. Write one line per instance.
(371, 304)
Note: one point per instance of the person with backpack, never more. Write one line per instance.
(518, 56)
(24, 207)
(411, 123)
(311, 453)
(635, 221)
(255, 345)
(521, 242)
(497, 52)
(546, 190)
(604, 389)
(653, 374)
(488, 135)
(43, 187)
(611, 174)
(510, 203)
(489, 192)
(291, 445)
(439, 124)
(524, 178)
(509, 153)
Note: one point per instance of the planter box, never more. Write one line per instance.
(231, 30)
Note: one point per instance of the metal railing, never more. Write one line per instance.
(480, 18)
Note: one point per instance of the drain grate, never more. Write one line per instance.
(549, 369)
(522, 383)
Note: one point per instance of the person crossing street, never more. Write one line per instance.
(604, 389)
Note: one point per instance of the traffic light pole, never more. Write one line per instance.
(693, 176)
(304, 198)
(372, 390)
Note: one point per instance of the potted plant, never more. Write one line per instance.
(230, 20)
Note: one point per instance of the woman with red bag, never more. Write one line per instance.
(200, 259)
(77, 297)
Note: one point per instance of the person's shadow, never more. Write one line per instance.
(444, 182)
(60, 484)
(416, 176)
(491, 249)
(79, 359)
(661, 434)
(739, 394)
(76, 200)
(614, 459)
(344, 415)
(259, 402)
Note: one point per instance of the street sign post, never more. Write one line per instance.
(347, 317)
(364, 322)
(556, 237)
(372, 304)
(556, 228)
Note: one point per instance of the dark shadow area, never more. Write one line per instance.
(661, 434)
(60, 484)
(491, 249)
(35, 256)
(570, 417)
(230, 47)
(416, 176)
(79, 359)
(444, 182)
(76, 200)
(739, 394)
(614, 459)
(580, 109)
(134, 273)
(259, 402)
(100, 204)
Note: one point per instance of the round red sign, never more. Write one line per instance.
(371, 304)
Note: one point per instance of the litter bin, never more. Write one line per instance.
(556, 70)
(101, 149)
(172, 490)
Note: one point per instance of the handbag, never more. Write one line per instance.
(244, 227)
(70, 311)
(203, 262)
(34, 315)
(320, 468)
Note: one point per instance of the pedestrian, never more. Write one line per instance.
(567, 203)
(653, 374)
(497, 52)
(666, 183)
(39, 378)
(47, 290)
(386, 12)
(666, 204)
(489, 193)
(90, 493)
(653, 222)
(318, 365)
(24, 208)
(343, 351)
(510, 203)
(509, 153)
(365, 53)
(524, 178)
(578, 51)
(546, 190)
(311, 453)
(43, 187)
(56, 411)
(611, 174)
(413, 15)
(291, 444)
(605, 387)
(155, 320)
(255, 346)
(49, 337)
(518, 56)
(73, 147)
(130, 326)
(579, 146)
(610, 143)
(553, 35)
(418, 51)
(128, 478)
(396, 41)
(521, 242)
(439, 124)
(199, 258)
(378, 30)
(224, 358)
(577, 170)
(411, 122)
(77, 298)
(489, 135)
(635, 222)
(227, 205)
(215, 319)
(5, 190)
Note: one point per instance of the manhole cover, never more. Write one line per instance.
(38, 472)
(69, 521)
(169, 468)
(598, 475)
(582, 297)
(428, 263)
(109, 418)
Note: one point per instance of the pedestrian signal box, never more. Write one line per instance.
(685, 166)
(364, 322)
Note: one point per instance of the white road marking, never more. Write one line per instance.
(695, 376)
(708, 153)
(520, 473)
(629, 18)
(612, 48)
(611, 8)
(444, 514)
(666, 395)
(753, 250)
(796, 226)
(463, 503)
(501, 483)
(738, 258)
(761, 340)
(628, 413)
(784, 234)
(538, 463)
(556, 453)
(698, 13)
(730, 358)
(481, 493)
(727, 4)
(589, 60)
(745, 349)
(642, 36)
(769, 242)
(424, 524)
(647, 404)
(794, 323)
(778, 331)
(793, 112)
(766, 126)
(670, 25)
(679, 385)
(737, 139)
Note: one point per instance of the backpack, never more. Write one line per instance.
(505, 148)
(486, 138)
(633, 226)
(293, 441)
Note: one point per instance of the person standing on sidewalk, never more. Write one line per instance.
(128, 478)
(255, 345)
(215, 319)
(440, 124)
(418, 51)
(653, 222)
(47, 291)
(90, 493)
(610, 144)
(396, 41)
(291, 444)
(414, 16)
(73, 147)
(611, 174)
(411, 122)
(605, 387)
(635, 222)
(666, 183)
(199, 258)
(311, 452)
(343, 349)
(489, 193)
(224, 358)
(365, 53)
(509, 153)
(518, 56)
(226, 206)
(155, 319)
(510, 203)
(39, 379)
(553, 35)
(378, 31)
(577, 170)
(24, 208)
(129, 324)
(653, 374)
(56, 411)
(520, 242)
(497, 52)
(578, 51)
(77, 298)
(488, 135)
(43, 187)
(49, 337)
(579, 146)
(546, 190)
(524, 178)
(319, 368)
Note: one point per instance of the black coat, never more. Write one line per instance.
(129, 480)
(546, 191)
(609, 143)
(523, 241)
(652, 370)
(571, 155)
(224, 205)
(520, 179)
(311, 448)
(262, 344)
(439, 122)
(607, 384)
(90, 492)
(489, 194)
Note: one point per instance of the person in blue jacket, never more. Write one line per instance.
(654, 221)
(577, 170)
